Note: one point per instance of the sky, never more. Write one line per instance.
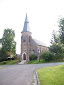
(43, 16)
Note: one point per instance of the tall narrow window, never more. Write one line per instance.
(29, 39)
(33, 51)
(24, 39)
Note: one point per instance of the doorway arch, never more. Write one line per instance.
(24, 56)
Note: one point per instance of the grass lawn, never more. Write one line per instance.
(51, 75)
(42, 61)
(36, 61)
(9, 62)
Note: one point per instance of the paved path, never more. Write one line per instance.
(22, 62)
(20, 74)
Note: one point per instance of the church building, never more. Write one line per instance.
(28, 44)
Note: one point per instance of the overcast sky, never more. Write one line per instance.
(43, 16)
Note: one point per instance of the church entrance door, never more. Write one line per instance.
(24, 56)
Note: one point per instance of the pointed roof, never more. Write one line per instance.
(26, 25)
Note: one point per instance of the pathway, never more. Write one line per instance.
(21, 74)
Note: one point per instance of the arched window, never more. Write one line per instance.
(42, 49)
(29, 39)
(33, 51)
(38, 52)
(24, 39)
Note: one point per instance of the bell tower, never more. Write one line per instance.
(25, 40)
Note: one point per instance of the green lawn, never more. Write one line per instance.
(36, 61)
(51, 75)
(9, 62)
(43, 61)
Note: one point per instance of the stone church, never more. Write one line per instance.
(28, 44)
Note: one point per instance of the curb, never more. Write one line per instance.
(36, 79)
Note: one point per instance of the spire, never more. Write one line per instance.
(26, 19)
(26, 25)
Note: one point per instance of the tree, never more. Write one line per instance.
(61, 30)
(8, 43)
(55, 48)
(47, 55)
(0, 43)
(3, 55)
(55, 38)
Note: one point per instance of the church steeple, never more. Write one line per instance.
(26, 25)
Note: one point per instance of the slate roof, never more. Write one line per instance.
(39, 43)
(26, 25)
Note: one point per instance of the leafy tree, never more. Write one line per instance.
(55, 38)
(0, 43)
(0, 40)
(8, 43)
(3, 55)
(57, 41)
(47, 55)
(61, 30)
(55, 48)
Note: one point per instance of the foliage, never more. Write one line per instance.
(32, 57)
(51, 75)
(47, 55)
(57, 41)
(8, 43)
(55, 38)
(61, 30)
(0, 40)
(9, 62)
(3, 55)
(43, 61)
(55, 48)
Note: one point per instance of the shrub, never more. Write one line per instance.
(47, 55)
(3, 55)
(32, 57)
(4, 62)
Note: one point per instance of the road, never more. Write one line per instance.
(21, 74)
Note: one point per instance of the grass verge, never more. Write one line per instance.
(9, 62)
(36, 61)
(43, 61)
(51, 75)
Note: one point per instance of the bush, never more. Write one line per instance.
(4, 62)
(32, 57)
(3, 55)
(59, 56)
(48, 56)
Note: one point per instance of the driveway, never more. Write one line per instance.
(21, 74)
